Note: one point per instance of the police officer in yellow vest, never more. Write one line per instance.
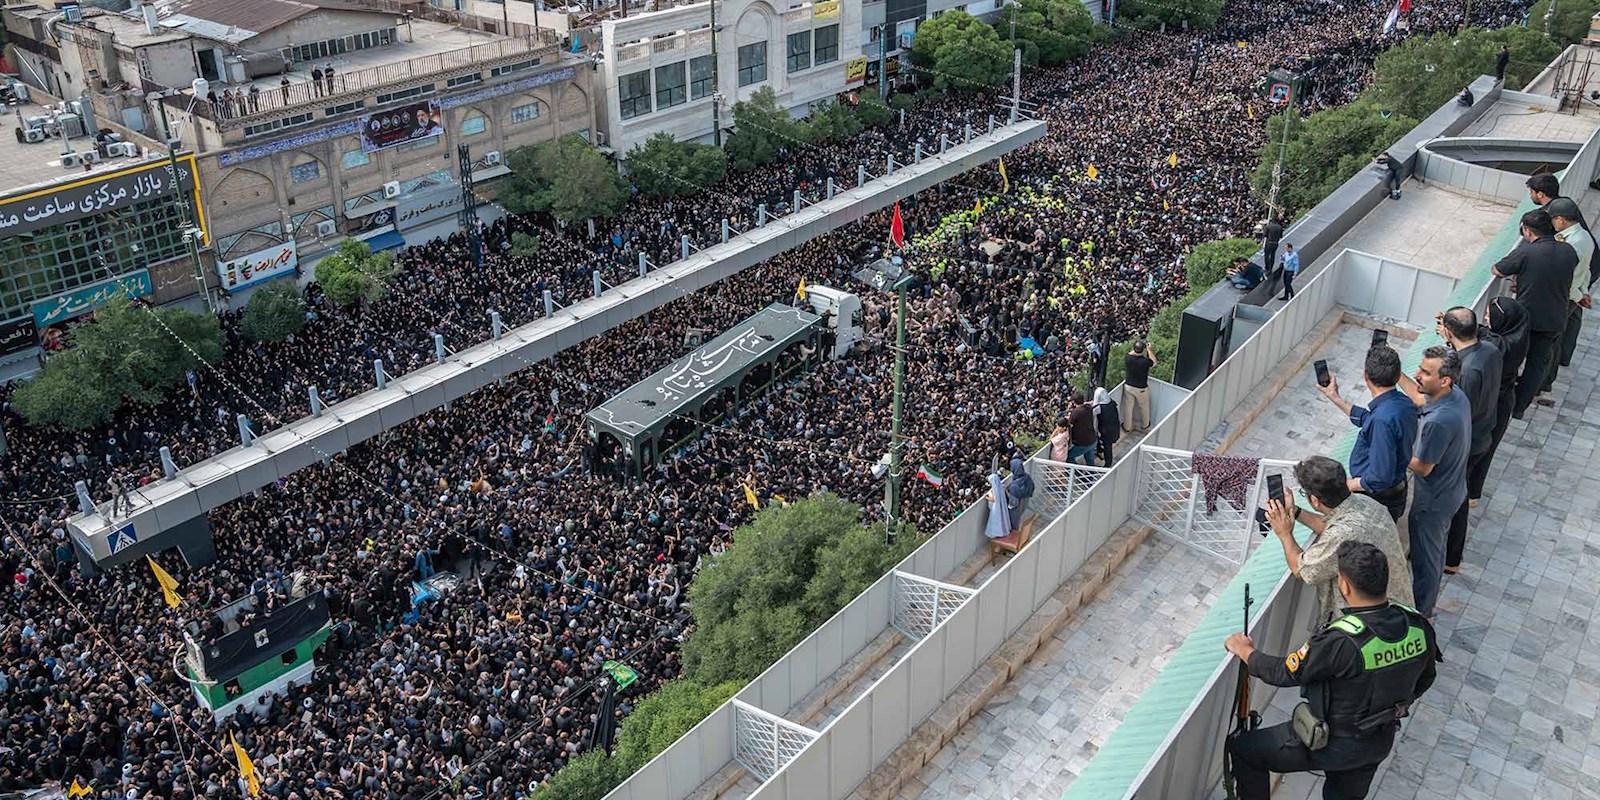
(1358, 677)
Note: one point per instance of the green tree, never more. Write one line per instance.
(1324, 150)
(126, 354)
(588, 777)
(1060, 30)
(832, 123)
(354, 273)
(872, 112)
(273, 313)
(847, 565)
(962, 52)
(1207, 263)
(1568, 24)
(525, 244)
(1421, 74)
(663, 167)
(1173, 13)
(761, 128)
(565, 177)
(665, 715)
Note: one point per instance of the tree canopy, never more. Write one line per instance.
(1422, 73)
(1060, 30)
(761, 128)
(354, 273)
(1568, 21)
(565, 177)
(273, 313)
(126, 354)
(1173, 13)
(663, 167)
(1324, 150)
(962, 52)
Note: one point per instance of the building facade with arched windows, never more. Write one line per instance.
(666, 71)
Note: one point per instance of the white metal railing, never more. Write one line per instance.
(1060, 484)
(1173, 501)
(763, 743)
(920, 604)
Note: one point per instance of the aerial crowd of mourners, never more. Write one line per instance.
(492, 688)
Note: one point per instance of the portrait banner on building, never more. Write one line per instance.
(262, 265)
(408, 123)
(825, 10)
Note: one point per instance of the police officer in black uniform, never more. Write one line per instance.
(1358, 676)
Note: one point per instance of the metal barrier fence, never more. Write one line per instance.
(763, 743)
(920, 604)
(1060, 484)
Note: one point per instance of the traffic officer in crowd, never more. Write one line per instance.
(1358, 676)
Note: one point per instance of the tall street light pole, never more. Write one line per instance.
(191, 231)
(892, 491)
(716, 82)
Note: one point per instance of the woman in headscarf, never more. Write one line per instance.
(1506, 325)
(1108, 422)
(999, 525)
(1018, 490)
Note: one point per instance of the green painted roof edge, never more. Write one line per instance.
(1150, 720)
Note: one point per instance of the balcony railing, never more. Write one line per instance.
(355, 85)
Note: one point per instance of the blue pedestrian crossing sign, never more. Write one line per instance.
(123, 538)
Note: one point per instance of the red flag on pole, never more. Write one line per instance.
(897, 229)
(1405, 6)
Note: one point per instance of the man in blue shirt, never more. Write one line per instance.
(1291, 268)
(1440, 463)
(1388, 430)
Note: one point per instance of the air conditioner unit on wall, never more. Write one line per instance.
(327, 228)
(391, 190)
(71, 160)
(124, 149)
(89, 156)
(492, 158)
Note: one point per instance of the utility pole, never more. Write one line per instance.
(1016, 84)
(468, 220)
(1283, 149)
(883, 61)
(716, 82)
(892, 489)
(191, 231)
(505, 14)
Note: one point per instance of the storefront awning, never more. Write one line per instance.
(490, 173)
(388, 239)
(367, 210)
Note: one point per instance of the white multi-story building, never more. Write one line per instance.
(666, 71)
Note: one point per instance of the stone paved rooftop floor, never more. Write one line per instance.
(1513, 712)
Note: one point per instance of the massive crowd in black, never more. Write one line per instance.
(493, 688)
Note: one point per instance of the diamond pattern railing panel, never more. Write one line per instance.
(1172, 501)
(921, 604)
(1059, 484)
(764, 743)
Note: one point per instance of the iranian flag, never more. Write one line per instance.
(926, 473)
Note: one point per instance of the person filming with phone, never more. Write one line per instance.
(1336, 516)
(1388, 431)
(1359, 676)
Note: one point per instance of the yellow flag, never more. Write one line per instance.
(247, 768)
(1251, 110)
(801, 292)
(1005, 183)
(169, 584)
(978, 209)
(750, 497)
(77, 790)
(1092, 172)
(1172, 160)
(1165, 206)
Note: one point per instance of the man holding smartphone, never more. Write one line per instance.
(1337, 515)
(1388, 431)
(1136, 387)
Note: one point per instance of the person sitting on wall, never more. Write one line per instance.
(1245, 274)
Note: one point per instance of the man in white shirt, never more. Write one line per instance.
(1565, 214)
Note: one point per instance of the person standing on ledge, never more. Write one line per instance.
(1358, 675)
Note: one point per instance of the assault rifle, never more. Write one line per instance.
(1244, 719)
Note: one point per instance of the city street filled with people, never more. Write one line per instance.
(492, 688)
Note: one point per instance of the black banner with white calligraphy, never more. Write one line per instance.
(38, 210)
(17, 335)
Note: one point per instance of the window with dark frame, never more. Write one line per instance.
(752, 63)
(825, 48)
(672, 85)
(799, 51)
(700, 76)
(633, 94)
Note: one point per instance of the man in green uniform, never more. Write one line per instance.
(1358, 675)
